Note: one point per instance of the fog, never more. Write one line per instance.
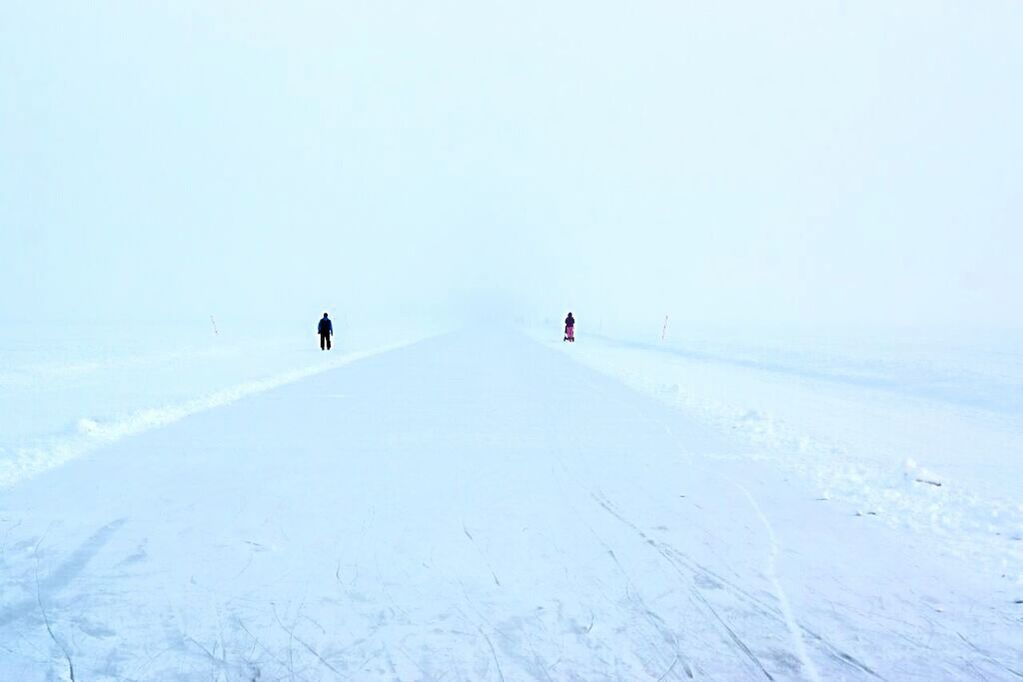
(789, 163)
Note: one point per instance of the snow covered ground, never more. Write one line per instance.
(472, 507)
(926, 435)
(91, 384)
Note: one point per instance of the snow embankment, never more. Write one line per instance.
(924, 445)
(44, 427)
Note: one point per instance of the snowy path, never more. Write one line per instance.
(469, 509)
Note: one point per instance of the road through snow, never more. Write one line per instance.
(474, 509)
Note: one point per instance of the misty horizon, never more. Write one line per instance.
(797, 164)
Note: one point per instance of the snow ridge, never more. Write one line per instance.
(91, 435)
(872, 465)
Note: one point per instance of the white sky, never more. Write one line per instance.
(727, 162)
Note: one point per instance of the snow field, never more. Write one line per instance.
(913, 459)
(471, 508)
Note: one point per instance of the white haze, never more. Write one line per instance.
(735, 162)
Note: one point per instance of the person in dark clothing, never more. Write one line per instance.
(326, 330)
(570, 328)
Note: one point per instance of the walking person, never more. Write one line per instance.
(326, 330)
(570, 328)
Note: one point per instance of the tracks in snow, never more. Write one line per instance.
(690, 573)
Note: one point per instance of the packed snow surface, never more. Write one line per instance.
(95, 384)
(926, 435)
(494, 508)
